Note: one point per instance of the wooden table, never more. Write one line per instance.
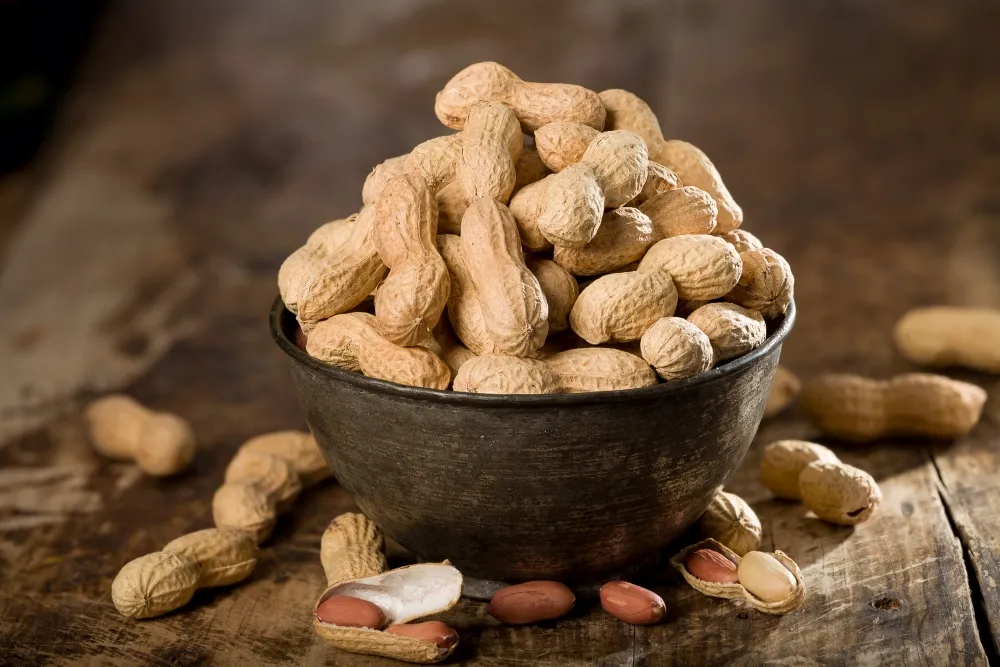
(207, 139)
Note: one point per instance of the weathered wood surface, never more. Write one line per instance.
(207, 139)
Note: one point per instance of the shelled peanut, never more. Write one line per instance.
(489, 231)
(632, 604)
(263, 480)
(121, 428)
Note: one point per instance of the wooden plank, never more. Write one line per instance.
(970, 481)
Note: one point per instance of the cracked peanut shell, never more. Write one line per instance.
(736, 591)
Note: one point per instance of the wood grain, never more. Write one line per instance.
(205, 140)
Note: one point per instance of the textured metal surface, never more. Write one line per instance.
(515, 488)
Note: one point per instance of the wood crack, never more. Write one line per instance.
(991, 645)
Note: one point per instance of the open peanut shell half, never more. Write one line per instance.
(736, 591)
(404, 594)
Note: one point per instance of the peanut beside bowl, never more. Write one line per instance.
(515, 488)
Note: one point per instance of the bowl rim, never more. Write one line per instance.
(781, 327)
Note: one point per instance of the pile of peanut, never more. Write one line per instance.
(502, 256)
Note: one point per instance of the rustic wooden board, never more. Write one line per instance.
(206, 140)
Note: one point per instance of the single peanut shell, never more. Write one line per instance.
(315, 284)
(733, 330)
(561, 143)
(943, 336)
(272, 474)
(766, 283)
(333, 234)
(702, 267)
(491, 144)
(694, 168)
(535, 104)
(742, 240)
(676, 348)
(679, 211)
(737, 591)
(351, 548)
(526, 206)
(858, 409)
(839, 493)
(784, 389)
(298, 448)
(623, 237)
(505, 375)
(514, 308)
(166, 445)
(660, 179)
(435, 161)
(380, 175)
(154, 584)
(560, 289)
(621, 163)
(410, 301)
(352, 342)
(246, 508)
(783, 462)
(620, 307)
(464, 311)
(599, 369)
(730, 521)
(115, 424)
(223, 557)
(574, 204)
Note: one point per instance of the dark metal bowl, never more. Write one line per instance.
(564, 486)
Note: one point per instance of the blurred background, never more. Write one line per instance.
(161, 159)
